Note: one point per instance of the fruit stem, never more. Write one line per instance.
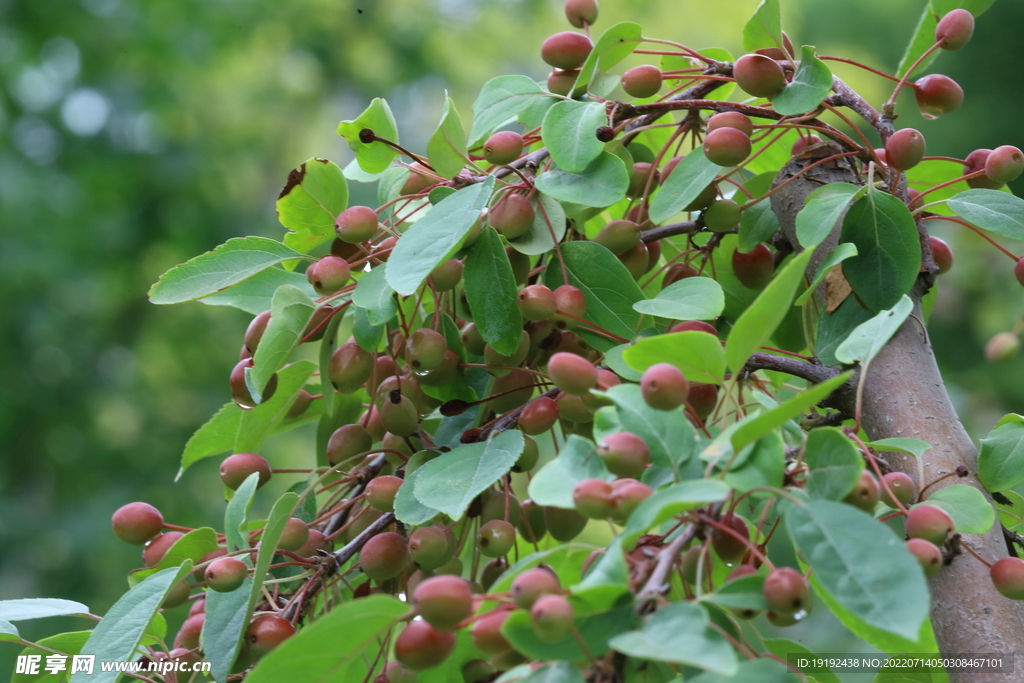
(890, 106)
(971, 551)
(968, 225)
(863, 66)
(714, 524)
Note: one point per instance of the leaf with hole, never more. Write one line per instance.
(373, 156)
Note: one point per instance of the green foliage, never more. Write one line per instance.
(695, 298)
(491, 293)
(811, 83)
(315, 194)
(373, 156)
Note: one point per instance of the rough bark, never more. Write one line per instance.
(904, 396)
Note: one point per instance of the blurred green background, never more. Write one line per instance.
(135, 134)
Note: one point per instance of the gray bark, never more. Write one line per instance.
(904, 396)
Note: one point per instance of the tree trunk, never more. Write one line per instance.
(904, 396)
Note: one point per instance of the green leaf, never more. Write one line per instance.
(116, 638)
(992, 210)
(291, 312)
(684, 184)
(446, 148)
(408, 508)
(609, 289)
(680, 633)
(491, 293)
(764, 466)
(698, 354)
(367, 335)
(228, 614)
(1001, 461)
(255, 294)
(569, 132)
(834, 463)
(614, 360)
(38, 608)
(835, 327)
(316, 192)
(923, 641)
(600, 184)
(757, 224)
(614, 45)
(761, 425)
(971, 512)
(672, 441)
(671, 501)
(914, 447)
(499, 100)
(577, 460)
(549, 217)
(451, 482)
(975, 7)
(746, 592)
(762, 670)
(692, 298)
(192, 546)
(374, 294)
(9, 632)
(862, 564)
(923, 38)
(757, 324)
(373, 157)
(834, 258)
(888, 249)
(781, 648)
(336, 648)
(237, 259)
(810, 85)
(436, 237)
(556, 672)
(1011, 514)
(764, 29)
(595, 627)
(822, 211)
(236, 514)
(868, 338)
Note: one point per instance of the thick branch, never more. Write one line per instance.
(670, 230)
(904, 396)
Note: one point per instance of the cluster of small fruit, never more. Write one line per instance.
(142, 524)
(448, 603)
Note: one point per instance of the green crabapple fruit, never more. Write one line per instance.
(503, 147)
(571, 373)
(731, 119)
(384, 556)
(664, 387)
(728, 547)
(759, 75)
(902, 488)
(533, 583)
(581, 13)
(905, 149)
(225, 574)
(496, 538)
(553, 617)
(593, 498)
(356, 224)
(786, 591)
(1008, 576)
(927, 554)
(328, 275)
(566, 50)
(865, 492)
(727, 146)
(294, 535)
(931, 523)
(444, 601)
(955, 29)
(624, 454)
(236, 468)
(937, 95)
(137, 523)
(421, 646)
(642, 81)
(941, 254)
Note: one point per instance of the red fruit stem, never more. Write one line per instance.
(863, 66)
(889, 106)
(968, 225)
